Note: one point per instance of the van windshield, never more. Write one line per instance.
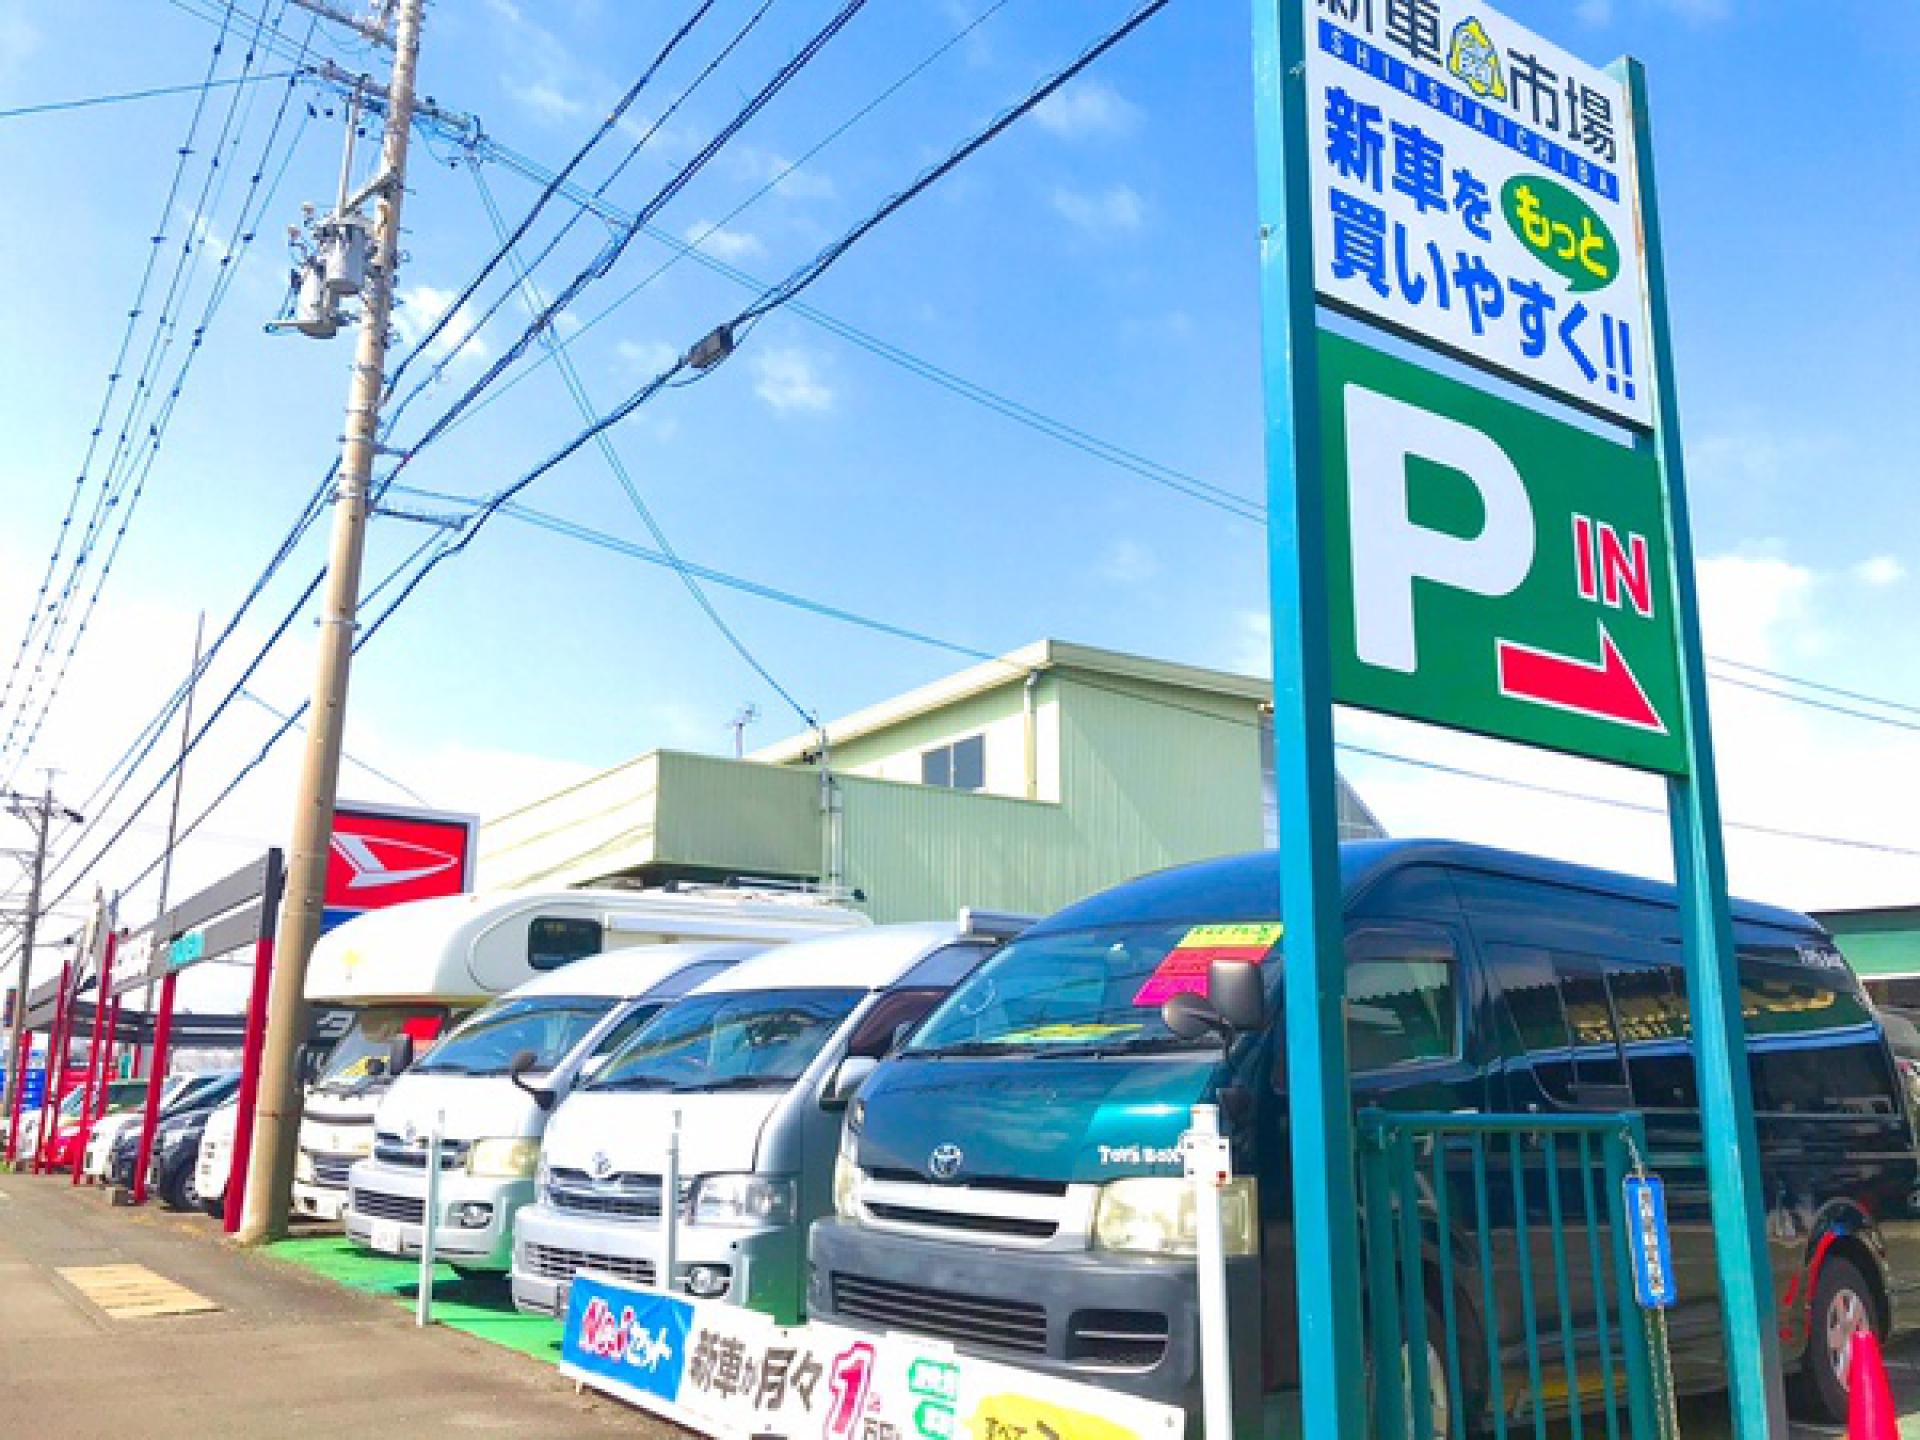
(1082, 992)
(360, 1056)
(550, 1026)
(745, 1040)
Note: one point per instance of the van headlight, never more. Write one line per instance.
(846, 1186)
(1156, 1217)
(741, 1200)
(504, 1159)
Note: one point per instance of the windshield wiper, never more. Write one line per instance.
(976, 1047)
(736, 1082)
(634, 1082)
(445, 1067)
(1139, 1046)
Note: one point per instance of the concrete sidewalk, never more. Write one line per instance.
(287, 1353)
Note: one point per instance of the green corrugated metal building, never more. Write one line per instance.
(1020, 784)
(1883, 947)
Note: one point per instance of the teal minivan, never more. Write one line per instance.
(1011, 1180)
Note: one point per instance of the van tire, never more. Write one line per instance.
(1843, 1297)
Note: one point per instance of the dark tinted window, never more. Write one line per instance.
(1532, 990)
(1813, 1049)
(553, 941)
(1652, 1011)
(1402, 1005)
(1590, 1023)
(873, 1036)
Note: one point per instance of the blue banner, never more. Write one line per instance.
(1647, 1238)
(632, 1339)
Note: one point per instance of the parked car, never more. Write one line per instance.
(758, 1065)
(495, 1077)
(63, 1147)
(180, 1090)
(1057, 1233)
(213, 1161)
(176, 1147)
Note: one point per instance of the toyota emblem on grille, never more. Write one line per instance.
(601, 1165)
(945, 1161)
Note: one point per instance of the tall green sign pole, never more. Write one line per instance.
(1700, 867)
(1449, 552)
(1326, 1237)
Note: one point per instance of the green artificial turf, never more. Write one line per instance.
(481, 1307)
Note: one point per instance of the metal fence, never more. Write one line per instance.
(1500, 1288)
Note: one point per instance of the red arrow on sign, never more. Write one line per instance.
(1606, 691)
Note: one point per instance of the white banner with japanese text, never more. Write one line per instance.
(1474, 185)
(728, 1372)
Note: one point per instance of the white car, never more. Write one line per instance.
(214, 1163)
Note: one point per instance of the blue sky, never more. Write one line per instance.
(1096, 265)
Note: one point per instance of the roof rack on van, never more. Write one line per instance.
(996, 924)
(749, 887)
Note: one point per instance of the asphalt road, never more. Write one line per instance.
(286, 1354)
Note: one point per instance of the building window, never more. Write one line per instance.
(959, 766)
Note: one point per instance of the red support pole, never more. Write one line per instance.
(59, 1046)
(162, 1033)
(96, 1058)
(249, 1091)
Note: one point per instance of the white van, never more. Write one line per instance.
(755, 1069)
(494, 1078)
(409, 971)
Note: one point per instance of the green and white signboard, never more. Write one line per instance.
(1477, 519)
(1495, 569)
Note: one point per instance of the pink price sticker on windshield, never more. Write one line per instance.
(1184, 970)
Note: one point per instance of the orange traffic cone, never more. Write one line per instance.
(1870, 1414)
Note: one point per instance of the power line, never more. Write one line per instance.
(553, 186)
(113, 377)
(586, 534)
(250, 216)
(87, 102)
(601, 264)
(352, 759)
(584, 403)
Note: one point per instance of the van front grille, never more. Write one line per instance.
(553, 1262)
(948, 1220)
(407, 1209)
(1016, 1325)
(618, 1197)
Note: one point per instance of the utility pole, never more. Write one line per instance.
(276, 1127)
(39, 812)
(173, 814)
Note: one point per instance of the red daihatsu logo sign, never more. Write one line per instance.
(381, 857)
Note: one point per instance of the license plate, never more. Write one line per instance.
(386, 1237)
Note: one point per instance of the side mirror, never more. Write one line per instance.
(1239, 994)
(1235, 1004)
(400, 1053)
(517, 1069)
(847, 1080)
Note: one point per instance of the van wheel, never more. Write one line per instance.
(1445, 1420)
(1843, 1303)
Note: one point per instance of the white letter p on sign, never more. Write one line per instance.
(1390, 552)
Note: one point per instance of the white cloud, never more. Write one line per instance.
(770, 167)
(1128, 562)
(1249, 643)
(649, 357)
(548, 103)
(1880, 571)
(724, 244)
(1116, 209)
(205, 233)
(19, 40)
(1750, 605)
(1594, 12)
(1088, 109)
(422, 306)
(788, 381)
